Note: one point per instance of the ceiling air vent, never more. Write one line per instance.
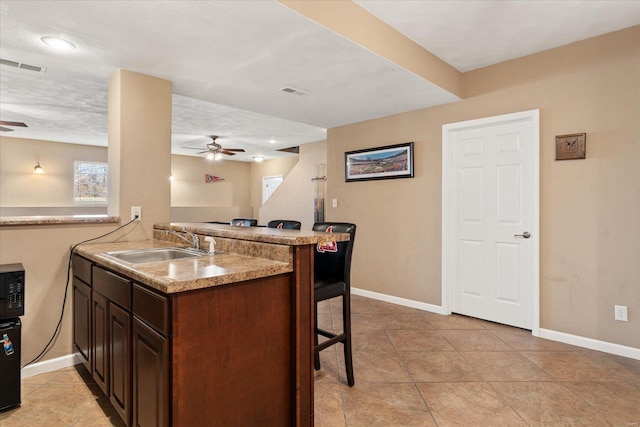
(294, 91)
(23, 66)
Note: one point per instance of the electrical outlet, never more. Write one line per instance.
(620, 312)
(136, 210)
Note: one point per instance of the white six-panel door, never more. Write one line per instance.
(490, 218)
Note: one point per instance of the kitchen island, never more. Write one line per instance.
(213, 340)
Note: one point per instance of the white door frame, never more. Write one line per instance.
(449, 203)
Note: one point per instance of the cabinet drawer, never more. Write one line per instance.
(112, 286)
(152, 308)
(82, 268)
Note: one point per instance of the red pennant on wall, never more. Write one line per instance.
(212, 178)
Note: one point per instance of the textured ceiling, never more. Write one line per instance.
(229, 60)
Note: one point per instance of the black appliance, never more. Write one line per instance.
(10, 330)
(11, 306)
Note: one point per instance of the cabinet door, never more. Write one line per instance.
(120, 361)
(82, 321)
(100, 312)
(150, 377)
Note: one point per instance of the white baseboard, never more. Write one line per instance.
(606, 347)
(49, 365)
(400, 301)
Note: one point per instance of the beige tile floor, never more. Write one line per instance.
(412, 368)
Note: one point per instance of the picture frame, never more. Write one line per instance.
(571, 146)
(387, 162)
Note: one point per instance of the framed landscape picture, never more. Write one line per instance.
(390, 161)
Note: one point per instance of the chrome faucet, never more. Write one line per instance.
(195, 239)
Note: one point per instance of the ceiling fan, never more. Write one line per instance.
(5, 129)
(214, 148)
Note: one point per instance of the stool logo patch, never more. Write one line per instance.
(329, 246)
(279, 226)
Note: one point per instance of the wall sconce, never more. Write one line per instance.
(171, 177)
(38, 169)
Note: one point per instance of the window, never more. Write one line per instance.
(90, 182)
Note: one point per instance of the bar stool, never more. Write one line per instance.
(284, 224)
(332, 278)
(244, 222)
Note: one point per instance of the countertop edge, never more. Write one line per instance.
(57, 220)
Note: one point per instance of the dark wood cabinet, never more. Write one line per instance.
(100, 347)
(82, 334)
(120, 361)
(150, 376)
(231, 354)
(111, 311)
(82, 310)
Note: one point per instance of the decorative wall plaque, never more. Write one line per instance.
(571, 147)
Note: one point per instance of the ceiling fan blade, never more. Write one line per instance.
(202, 152)
(4, 129)
(239, 150)
(295, 150)
(228, 153)
(20, 124)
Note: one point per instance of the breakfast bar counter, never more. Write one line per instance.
(222, 339)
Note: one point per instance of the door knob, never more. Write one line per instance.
(526, 235)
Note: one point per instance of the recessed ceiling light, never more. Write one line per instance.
(57, 43)
(258, 158)
(273, 141)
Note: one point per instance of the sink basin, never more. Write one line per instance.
(141, 256)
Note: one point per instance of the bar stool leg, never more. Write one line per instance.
(316, 354)
(346, 320)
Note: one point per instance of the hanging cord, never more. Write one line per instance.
(66, 289)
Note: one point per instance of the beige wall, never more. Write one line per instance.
(20, 187)
(189, 188)
(294, 197)
(589, 209)
(194, 200)
(139, 149)
(44, 253)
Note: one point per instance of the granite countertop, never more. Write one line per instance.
(257, 234)
(59, 219)
(183, 274)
